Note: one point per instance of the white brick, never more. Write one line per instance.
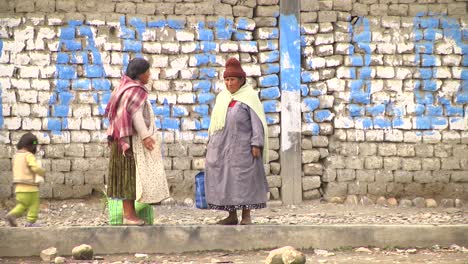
(39, 59)
(458, 123)
(21, 109)
(343, 73)
(91, 123)
(27, 96)
(47, 33)
(47, 72)
(394, 85)
(185, 35)
(161, 85)
(10, 22)
(252, 69)
(333, 61)
(29, 72)
(456, 72)
(149, 35)
(179, 62)
(385, 72)
(171, 98)
(21, 59)
(451, 60)
(310, 29)
(317, 62)
(189, 74)
(152, 47)
(171, 74)
(98, 136)
(188, 47)
(170, 48)
(405, 48)
(31, 123)
(6, 70)
(336, 85)
(116, 58)
(229, 46)
(54, 21)
(5, 83)
(53, 45)
(12, 123)
(13, 46)
(322, 39)
(74, 123)
(44, 97)
(160, 61)
(113, 71)
(307, 51)
(63, 137)
(247, 47)
(449, 87)
(6, 110)
(113, 46)
(444, 48)
(376, 86)
(326, 50)
(380, 98)
(405, 124)
(403, 73)
(443, 73)
(326, 101)
(39, 110)
(186, 98)
(183, 85)
(38, 84)
(188, 124)
(343, 122)
(379, 36)
(80, 137)
(386, 48)
(4, 57)
(81, 110)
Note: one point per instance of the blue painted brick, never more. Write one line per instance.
(202, 59)
(429, 23)
(382, 123)
(367, 59)
(86, 31)
(424, 47)
(201, 110)
(270, 106)
(430, 34)
(178, 111)
(270, 93)
(273, 56)
(81, 84)
(311, 103)
(428, 60)
(207, 46)
(438, 121)
(308, 117)
(323, 115)
(170, 124)
(364, 36)
(205, 98)
(132, 46)
(464, 74)
(161, 111)
(304, 90)
(207, 73)
(106, 97)
(453, 33)
(94, 71)
(176, 23)
(397, 122)
(269, 80)
(241, 35)
(315, 129)
(433, 110)
(72, 45)
(66, 72)
(65, 98)
(423, 122)
(448, 23)
(62, 85)
(137, 23)
(462, 98)
(62, 58)
(356, 85)
(271, 68)
(307, 77)
(444, 101)
(223, 34)
(101, 84)
(205, 122)
(366, 47)
(316, 92)
(67, 33)
(204, 86)
(159, 23)
(242, 24)
(61, 110)
(426, 73)
(365, 73)
(419, 109)
(367, 123)
(424, 98)
(360, 97)
(418, 35)
(429, 85)
(54, 124)
(396, 110)
(376, 110)
(356, 60)
(75, 23)
(205, 35)
(355, 110)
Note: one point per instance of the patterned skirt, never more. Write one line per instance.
(121, 182)
(231, 208)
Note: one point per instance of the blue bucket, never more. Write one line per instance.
(200, 200)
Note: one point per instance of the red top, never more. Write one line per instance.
(232, 103)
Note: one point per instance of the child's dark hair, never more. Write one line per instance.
(29, 142)
(136, 67)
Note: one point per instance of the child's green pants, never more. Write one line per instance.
(27, 201)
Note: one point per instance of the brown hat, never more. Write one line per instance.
(233, 69)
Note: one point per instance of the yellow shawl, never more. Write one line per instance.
(247, 95)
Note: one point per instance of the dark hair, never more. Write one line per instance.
(136, 67)
(29, 142)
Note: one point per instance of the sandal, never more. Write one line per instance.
(138, 222)
(227, 221)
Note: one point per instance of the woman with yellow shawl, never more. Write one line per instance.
(237, 147)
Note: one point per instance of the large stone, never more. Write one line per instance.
(419, 202)
(48, 255)
(286, 254)
(431, 203)
(83, 252)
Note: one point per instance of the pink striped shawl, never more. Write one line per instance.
(124, 102)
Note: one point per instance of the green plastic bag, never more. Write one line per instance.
(143, 211)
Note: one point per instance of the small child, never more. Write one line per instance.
(25, 169)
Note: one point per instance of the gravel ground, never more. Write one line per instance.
(92, 212)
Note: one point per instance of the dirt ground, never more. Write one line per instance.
(348, 256)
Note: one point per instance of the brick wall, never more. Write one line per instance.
(383, 88)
